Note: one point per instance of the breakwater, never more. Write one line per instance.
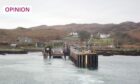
(127, 52)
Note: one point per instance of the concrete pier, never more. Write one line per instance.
(89, 61)
(81, 60)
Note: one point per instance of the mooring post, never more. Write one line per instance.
(78, 60)
(83, 61)
(89, 61)
(94, 61)
(86, 60)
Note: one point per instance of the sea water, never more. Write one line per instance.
(33, 69)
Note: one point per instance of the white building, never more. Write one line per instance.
(74, 34)
(104, 35)
(13, 45)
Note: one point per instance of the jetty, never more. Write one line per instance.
(80, 59)
(84, 59)
(90, 59)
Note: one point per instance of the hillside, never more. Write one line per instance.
(135, 34)
(125, 33)
(35, 34)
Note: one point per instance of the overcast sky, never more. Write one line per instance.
(57, 12)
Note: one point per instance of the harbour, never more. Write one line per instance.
(31, 68)
(69, 42)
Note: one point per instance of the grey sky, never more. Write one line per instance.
(55, 12)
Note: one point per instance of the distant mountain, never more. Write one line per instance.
(40, 27)
(104, 28)
(126, 32)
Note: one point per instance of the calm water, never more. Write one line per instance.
(32, 69)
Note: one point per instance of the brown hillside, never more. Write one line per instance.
(124, 32)
(36, 35)
(135, 34)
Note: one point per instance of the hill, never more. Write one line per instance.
(124, 33)
(35, 34)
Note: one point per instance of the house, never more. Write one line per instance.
(104, 36)
(13, 45)
(24, 40)
(74, 34)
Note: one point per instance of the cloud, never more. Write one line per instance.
(54, 12)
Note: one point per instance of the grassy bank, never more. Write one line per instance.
(13, 51)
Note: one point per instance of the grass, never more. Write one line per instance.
(71, 38)
(102, 42)
(11, 49)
